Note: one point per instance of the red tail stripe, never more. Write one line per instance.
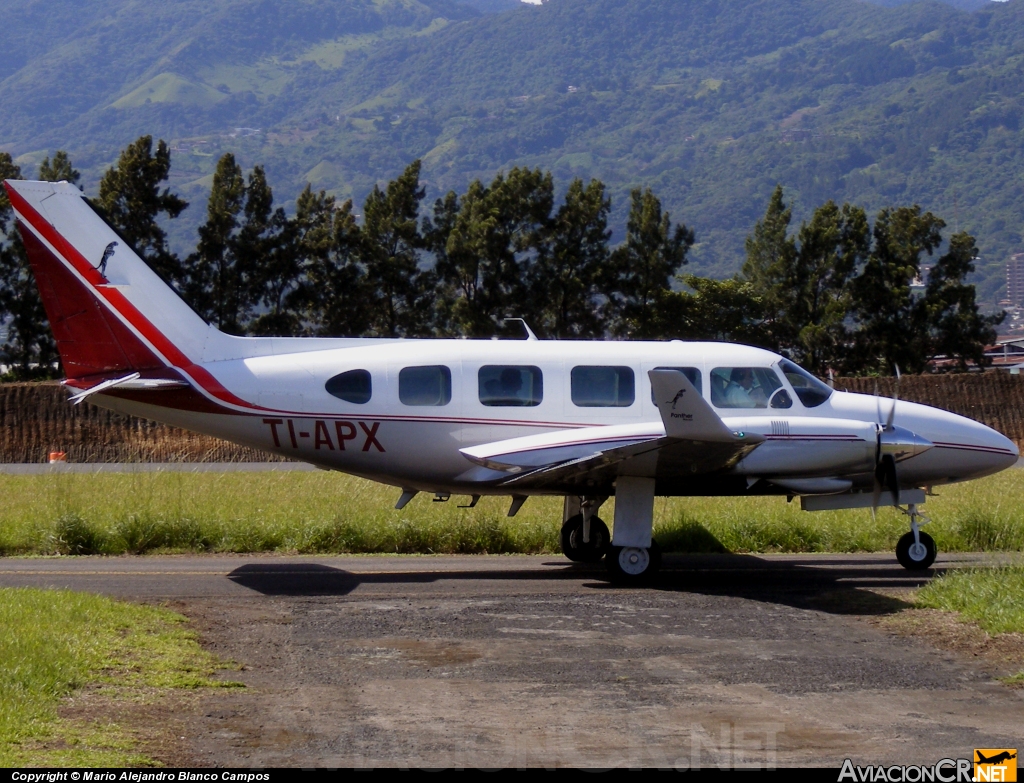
(117, 301)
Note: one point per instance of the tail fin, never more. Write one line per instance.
(95, 289)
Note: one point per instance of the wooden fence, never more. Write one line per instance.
(35, 419)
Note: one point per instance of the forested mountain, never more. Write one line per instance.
(709, 102)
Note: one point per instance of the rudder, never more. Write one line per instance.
(95, 289)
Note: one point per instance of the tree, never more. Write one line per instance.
(59, 170)
(956, 328)
(334, 289)
(30, 348)
(390, 254)
(893, 328)
(216, 284)
(264, 247)
(131, 201)
(487, 246)
(643, 267)
(728, 310)
(770, 271)
(832, 247)
(566, 280)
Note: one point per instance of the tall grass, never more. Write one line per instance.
(333, 513)
(992, 597)
(54, 642)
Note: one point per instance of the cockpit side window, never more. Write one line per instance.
(352, 386)
(809, 389)
(744, 387)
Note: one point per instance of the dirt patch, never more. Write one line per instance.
(154, 721)
(1003, 654)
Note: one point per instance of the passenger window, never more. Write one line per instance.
(692, 375)
(504, 385)
(603, 387)
(352, 386)
(431, 385)
(744, 387)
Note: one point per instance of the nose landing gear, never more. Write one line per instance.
(916, 550)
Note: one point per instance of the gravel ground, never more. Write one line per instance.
(522, 661)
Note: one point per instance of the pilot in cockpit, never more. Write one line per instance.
(743, 391)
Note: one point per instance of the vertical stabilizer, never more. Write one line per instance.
(108, 310)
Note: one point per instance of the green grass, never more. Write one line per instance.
(63, 513)
(55, 642)
(993, 598)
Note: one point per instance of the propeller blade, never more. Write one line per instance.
(895, 399)
(885, 477)
(876, 497)
(878, 404)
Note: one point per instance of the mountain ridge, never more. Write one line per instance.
(709, 103)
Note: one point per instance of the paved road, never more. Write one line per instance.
(513, 661)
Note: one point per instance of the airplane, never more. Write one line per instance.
(583, 420)
(996, 759)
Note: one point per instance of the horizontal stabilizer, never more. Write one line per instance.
(131, 382)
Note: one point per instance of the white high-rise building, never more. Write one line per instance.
(1015, 279)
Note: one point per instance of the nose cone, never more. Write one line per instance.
(973, 450)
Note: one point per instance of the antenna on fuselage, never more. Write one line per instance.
(529, 332)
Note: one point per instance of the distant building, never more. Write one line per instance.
(1015, 279)
(921, 280)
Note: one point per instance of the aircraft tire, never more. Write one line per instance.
(912, 559)
(572, 540)
(633, 565)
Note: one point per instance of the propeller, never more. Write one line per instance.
(895, 444)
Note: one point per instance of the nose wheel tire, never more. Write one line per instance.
(914, 556)
(573, 545)
(629, 565)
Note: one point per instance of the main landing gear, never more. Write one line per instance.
(916, 551)
(633, 564)
(582, 545)
(631, 555)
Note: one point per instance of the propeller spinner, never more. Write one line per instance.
(895, 444)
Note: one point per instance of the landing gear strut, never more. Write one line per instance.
(585, 537)
(916, 551)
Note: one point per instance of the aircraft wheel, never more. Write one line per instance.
(629, 565)
(573, 546)
(916, 557)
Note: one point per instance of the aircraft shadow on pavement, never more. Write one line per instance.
(837, 586)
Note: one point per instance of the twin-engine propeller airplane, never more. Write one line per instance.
(581, 420)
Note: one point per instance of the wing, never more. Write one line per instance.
(690, 440)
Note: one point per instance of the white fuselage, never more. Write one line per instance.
(282, 406)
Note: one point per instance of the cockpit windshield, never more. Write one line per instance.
(809, 389)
